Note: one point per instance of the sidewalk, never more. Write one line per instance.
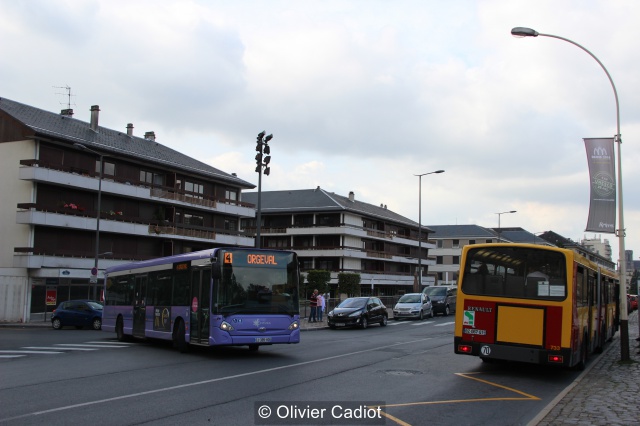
(606, 393)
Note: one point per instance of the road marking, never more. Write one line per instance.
(30, 352)
(58, 348)
(445, 323)
(113, 343)
(85, 345)
(423, 323)
(525, 397)
(11, 356)
(206, 382)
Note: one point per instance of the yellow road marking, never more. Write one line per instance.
(525, 397)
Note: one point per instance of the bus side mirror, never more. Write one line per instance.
(216, 272)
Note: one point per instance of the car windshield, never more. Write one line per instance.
(352, 303)
(410, 298)
(436, 291)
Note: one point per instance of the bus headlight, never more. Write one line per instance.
(225, 326)
(294, 325)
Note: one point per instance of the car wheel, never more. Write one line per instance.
(56, 323)
(431, 313)
(97, 323)
(364, 323)
(446, 311)
(421, 317)
(179, 337)
(384, 321)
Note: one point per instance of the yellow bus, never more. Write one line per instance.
(533, 303)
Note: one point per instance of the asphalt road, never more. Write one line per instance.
(408, 368)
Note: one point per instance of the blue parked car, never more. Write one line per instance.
(78, 313)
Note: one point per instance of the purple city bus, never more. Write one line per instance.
(222, 296)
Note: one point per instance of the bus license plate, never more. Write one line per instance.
(262, 339)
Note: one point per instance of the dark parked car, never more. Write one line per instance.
(358, 311)
(443, 299)
(78, 313)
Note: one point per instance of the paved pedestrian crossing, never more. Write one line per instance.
(420, 323)
(62, 348)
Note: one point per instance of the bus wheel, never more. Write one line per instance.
(179, 341)
(583, 356)
(254, 348)
(120, 330)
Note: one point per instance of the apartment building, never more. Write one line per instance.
(63, 178)
(342, 234)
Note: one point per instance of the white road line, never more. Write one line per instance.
(205, 382)
(58, 348)
(445, 323)
(11, 356)
(424, 323)
(113, 343)
(31, 352)
(85, 345)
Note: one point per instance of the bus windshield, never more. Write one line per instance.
(520, 272)
(250, 289)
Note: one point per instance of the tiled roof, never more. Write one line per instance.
(65, 128)
(460, 231)
(319, 200)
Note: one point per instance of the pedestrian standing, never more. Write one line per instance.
(313, 305)
(320, 300)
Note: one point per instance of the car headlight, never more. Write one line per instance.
(294, 325)
(330, 314)
(225, 326)
(356, 313)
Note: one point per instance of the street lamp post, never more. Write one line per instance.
(420, 225)
(263, 148)
(624, 315)
(500, 214)
(94, 271)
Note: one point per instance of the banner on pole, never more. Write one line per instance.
(602, 206)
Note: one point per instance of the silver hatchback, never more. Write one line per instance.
(413, 305)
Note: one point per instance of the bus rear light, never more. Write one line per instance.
(465, 349)
(555, 359)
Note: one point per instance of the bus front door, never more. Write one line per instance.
(139, 306)
(200, 304)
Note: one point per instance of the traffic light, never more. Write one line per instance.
(267, 159)
(260, 136)
(267, 150)
(262, 157)
(268, 138)
(267, 171)
(259, 158)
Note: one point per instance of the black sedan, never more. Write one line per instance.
(78, 313)
(358, 312)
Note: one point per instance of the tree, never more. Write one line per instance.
(349, 283)
(318, 279)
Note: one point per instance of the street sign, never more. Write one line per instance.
(94, 271)
(93, 279)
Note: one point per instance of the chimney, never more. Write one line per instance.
(67, 112)
(150, 136)
(95, 111)
(352, 196)
(130, 129)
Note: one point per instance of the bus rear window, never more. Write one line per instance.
(516, 272)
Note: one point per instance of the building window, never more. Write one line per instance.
(439, 244)
(231, 195)
(487, 241)
(151, 178)
(108, 169)
(472, 241)
(194, 188)
(230, 225)
(456, 260)
(456, 243)
(191, 219)
(439, 260)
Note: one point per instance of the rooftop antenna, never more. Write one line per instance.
(68, 94)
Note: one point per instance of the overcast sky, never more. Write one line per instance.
(359, 95)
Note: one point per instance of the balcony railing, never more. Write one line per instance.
(159, 191)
